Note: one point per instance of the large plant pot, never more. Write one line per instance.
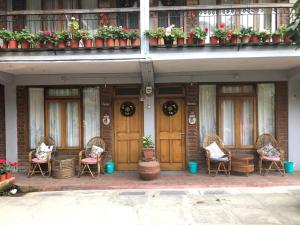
(88, 43)
(25, 44)
(234, 40)
(201, 42)
(61, 44)
(255, 39)
(99, 43)
(13, 44)
(190, 41)
(4, 44)
(136, 42)
(153, 41)
(213, 40)
(38, 44)
(49, 44)
(74, 44)
(245, 39)
(276, 39)
(122, 43)
(222, 41)
(180, 41)
(110, 43)
(148, 170)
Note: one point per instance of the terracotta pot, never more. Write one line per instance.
(148, 170)
(2, 177)
(234, 40)
(201, 42)
(222, 41)
(190, 41)
(153, 41)
(8, 175)
(136, 42)
(148, 153)
(267, 39)
(255, 39)
(245, 39)
(49, 44)
(4, 44)
(287, 39)
(88, 43)
(61, 44)
(110, 43)
(213, 40)
(122, 43)
(25, 44)
(99, 43)
(74, 44)
(180, 41)
(13, 44)
(38, 44)
(276, 39)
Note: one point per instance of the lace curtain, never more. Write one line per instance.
(33, 22)
(72, 124)
(36, 115)
(54, 122)
(227, 110)
(89, 21)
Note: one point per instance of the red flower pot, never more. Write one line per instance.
(49, 44)
(4, 44)
(287, 39)
(234, 40)
(88, 43)
(148, 153)
(222, 41)
(245, 39)
(74, 44)
(99, 43)
(153, 41)
(110, 43)
(122, 43)
(255, 39)
(213, 40)
(13, 44)
(276, 39)
(38, 44)
(180, 41)
(25, 44)
(8, 175)
(201, 42)
(190, 41)
(136, 42)
(2, 177)
(61, 44)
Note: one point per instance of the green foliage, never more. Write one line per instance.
(86, 35)
(178, 33)
(148, 142)
(134, 34)
(199, 33)
(293, 29)
(102, 33)
(5, 34)
(45, 36)
(246, 32)
(123, 34)
(220, 33)
(158, 33)
(62, 36)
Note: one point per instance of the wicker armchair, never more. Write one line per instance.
(217, 165)
(85, 160)
(35, 163)
(267, 164)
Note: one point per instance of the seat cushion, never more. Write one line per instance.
(96, 151)
(215, 151)
(269, 151)
(223, 159)
(266, 158)
(89, 160)
(36, 160)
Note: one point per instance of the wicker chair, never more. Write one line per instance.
(35, 163)
(217, 165)
(267, 164)
(85, 160)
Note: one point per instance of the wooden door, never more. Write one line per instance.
(170, 136)
(128, 135)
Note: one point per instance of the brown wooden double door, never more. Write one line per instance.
(170, 136)
(128, 135)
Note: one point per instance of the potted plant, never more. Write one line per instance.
(87, 39)
(265, 36)
(5, 36)
(219, 35)
(12, 41)
(2, 169)
(75, 34)
(276, 37)
(112, 34)
(100, 36)
(123, 37)
(179, 35)
(154, 35)
(25, 38)
(293, 29)
(255, 36)
(245, 34)
(284, 34)
(233, 36)
(134, 37)
(168, 36)
(62, 39)
(148, 147)
(46, 38)
(199, 35)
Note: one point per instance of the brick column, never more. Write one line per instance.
(281, 104)
(2, 124)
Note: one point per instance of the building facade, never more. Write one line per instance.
(177, 95)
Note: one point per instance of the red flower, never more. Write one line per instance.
(229, 33)
(192, 34)
(206, 29)
(2, 161)
(54, 35)
(15, 164)
(46, 33)
(222, 26)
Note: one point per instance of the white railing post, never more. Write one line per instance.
(144, 25)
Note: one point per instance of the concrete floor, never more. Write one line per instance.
(224, 206)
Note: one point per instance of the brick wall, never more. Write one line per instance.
(281, 104)
(2, 124)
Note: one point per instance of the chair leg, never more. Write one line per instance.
(79, 170)
(98, 168)
(88, 166)
(49, 168)
(260, 166)
(29, 170)
(43, 174)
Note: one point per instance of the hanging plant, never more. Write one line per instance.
(127, 109)
(170, 108)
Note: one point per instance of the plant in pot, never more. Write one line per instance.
(100, 36)
(179, 35)
(5, 37)
(155, 35)
(134, 37)
(276, 37)
(245, 34)
(233, 36)
(75, 33)
(148, 147)
(168, 36)
(284, 35)
(293, 29)
(8, 168)
(199, 35)
(25, 38)
(123, 37)
(265, 36)
(2, 169)
(220, 35)
(87, 39)
(112, 34)
(255, 36)
(12, 42)
(62, 38)
(46, 38)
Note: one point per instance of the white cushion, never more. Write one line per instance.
(96, 151)
(215, 151)
(43, 150)
(269, 151)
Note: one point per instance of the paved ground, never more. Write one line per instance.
(155, 207)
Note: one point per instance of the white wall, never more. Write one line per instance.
(294, 122)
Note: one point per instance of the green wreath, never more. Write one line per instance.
(170, 108)
(127, 109)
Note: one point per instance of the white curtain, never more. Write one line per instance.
(227, 110)
(266, 108)
(36, 115)
(33, 22)
(54, 122)
(91, 107)
(207, 110)
(246, 122)
(72, 124)
(89, 22)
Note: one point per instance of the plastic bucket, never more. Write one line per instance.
(193, 167)
(289, 167)
(109, 167)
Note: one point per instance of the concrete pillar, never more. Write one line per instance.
(144, 20)
(149, 116)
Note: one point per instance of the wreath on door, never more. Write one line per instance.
(127, 109)
(170, 108)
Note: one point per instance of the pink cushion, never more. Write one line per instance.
(36, 160)
(271, 158)
(89, 160)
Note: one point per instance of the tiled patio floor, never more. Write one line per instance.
(166, 180)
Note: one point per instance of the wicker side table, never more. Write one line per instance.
(63, 167)
(242, 163)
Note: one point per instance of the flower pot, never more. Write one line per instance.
(267, 39)
(61, 44)
(180, 41)
(8, 175)
(213, 40)
(254, 39)
(4, 44)
(25, 44)
(148, 170)
(38, 44)
(74, 44)
(122, 43)
(99, 42)
(88, 43)
(110, 43)
(148, 153)
(287, 39)
(168, 41)
(2, 177)
(201, 42)
(222, 41)
(245, 39)
(276, 39)
(49, 44)
(190, 41)
(153, 41)
(13, 44)
(234, 40)
(136, 42)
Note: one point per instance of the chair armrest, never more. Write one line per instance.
(30, 155)
(80, 155)
(228, 153)
(207, 154)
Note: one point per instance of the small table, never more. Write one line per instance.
(242, 163)
(63, 167)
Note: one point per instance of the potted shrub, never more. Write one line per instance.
(219, 34)
(5, 36)
(191, 39)
(134, 37)
(179, 35)
(155, 35)
(255, 37)
(148, 147)
(62, 38)
(123, 37)
(75, 34)
(100, 36)
(46, 38)
(245, 34)
(25, 38)
(12, 42)
(284, 35)
(276, 37)
(265, 36)
(87, 39)
(199, 35)
(168, 36)
(112, 34)
(233, 36)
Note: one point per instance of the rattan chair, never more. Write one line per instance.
(217, 165)
(85, 160)
(267, 164)
(35, 163)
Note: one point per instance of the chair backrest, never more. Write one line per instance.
(98, 141)
(48, 141)
(211, 138)
(265, 139)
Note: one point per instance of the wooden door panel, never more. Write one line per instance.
(122, 152)
(134, 151)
